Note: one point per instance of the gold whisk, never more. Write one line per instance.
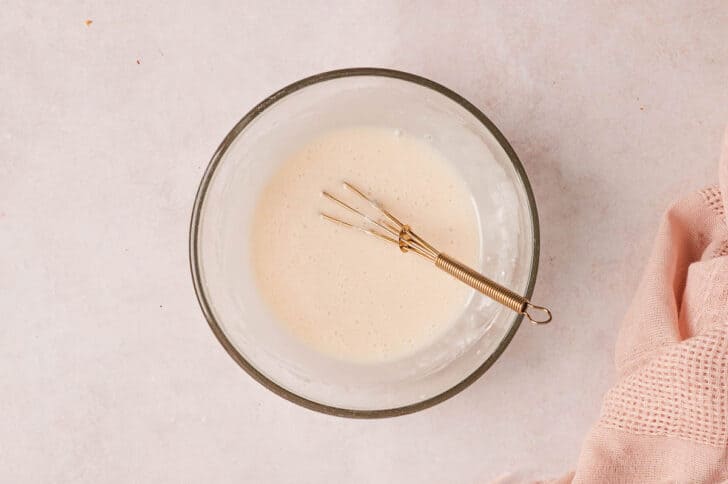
(387, 227)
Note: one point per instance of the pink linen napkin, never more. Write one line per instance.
(666, 418)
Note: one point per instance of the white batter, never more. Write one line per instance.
(346, 294)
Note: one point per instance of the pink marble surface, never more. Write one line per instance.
(108, 372)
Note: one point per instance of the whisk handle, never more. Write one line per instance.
(492, 289)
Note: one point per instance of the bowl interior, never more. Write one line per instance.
(252, 152)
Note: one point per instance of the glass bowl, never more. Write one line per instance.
(251, 153)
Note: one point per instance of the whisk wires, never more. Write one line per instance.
(383, 225)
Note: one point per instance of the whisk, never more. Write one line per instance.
(387, 227)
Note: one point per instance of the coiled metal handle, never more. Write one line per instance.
(492, 289)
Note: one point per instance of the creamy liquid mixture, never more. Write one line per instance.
(346, 294)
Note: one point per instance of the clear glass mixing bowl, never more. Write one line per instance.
(250, 154)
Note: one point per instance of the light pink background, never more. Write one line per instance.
(108, 371)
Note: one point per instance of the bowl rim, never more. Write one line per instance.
(202, 297)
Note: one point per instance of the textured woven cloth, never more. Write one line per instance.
(666, 418)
